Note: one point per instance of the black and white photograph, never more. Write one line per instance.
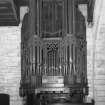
(52, 52)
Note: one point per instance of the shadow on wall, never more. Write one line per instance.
(4, 99)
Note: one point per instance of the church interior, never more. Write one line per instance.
(12, 15)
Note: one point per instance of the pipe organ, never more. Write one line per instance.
(53, 53)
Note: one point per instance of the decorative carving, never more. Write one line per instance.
(52, 18)
(56, 56)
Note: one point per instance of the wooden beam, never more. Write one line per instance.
(5, 16)
(9, 12)
(5, 10)
(9, 23)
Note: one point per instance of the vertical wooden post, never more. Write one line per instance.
(32, 16)
(65, 17)
(38, 16)
(74, 6)
(70, 16)
(35, 11)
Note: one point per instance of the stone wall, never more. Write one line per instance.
(96, 54)
(10, 63)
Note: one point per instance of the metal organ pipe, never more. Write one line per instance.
(56, 63)
(59, 52)
(49, 63)
(74, 59)
(39, 60)
(35, 60)
(68, 56)
(51, 55)
(53, 64)
(70, 59)
(42, 63)
(45, 59)
(33, 63)
(64, 61)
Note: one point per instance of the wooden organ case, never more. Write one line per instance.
(53, 53)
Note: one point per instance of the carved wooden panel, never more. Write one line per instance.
(52, 18)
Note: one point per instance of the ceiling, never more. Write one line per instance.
(8, 13)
